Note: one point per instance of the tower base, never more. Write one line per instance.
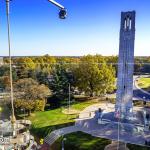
(123, 112)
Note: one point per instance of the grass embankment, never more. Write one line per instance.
(144, 83)
(82, 141)
(47, 121)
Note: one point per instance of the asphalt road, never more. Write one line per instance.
(138, 93)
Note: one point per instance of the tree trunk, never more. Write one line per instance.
(91, 94)
(29, 112)
(91, 91)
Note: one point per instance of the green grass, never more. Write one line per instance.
(144, 83)
(47, 121)
(82, 141)
(136, 147)
(82, 105)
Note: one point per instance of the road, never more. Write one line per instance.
(139, 94)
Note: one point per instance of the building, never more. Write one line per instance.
(124, 104)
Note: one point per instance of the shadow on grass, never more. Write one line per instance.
(44, 131)
(81, 141)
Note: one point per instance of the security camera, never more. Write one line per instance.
(62, 14)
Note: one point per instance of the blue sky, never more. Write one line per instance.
(92, 27)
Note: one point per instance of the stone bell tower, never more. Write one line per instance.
(124, 106)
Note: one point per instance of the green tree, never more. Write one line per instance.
(30, 95)
(45, 63)
(42, 77)
(5, 83)
(94, 76)
(24, 66)
(59, 83)
(5, 77)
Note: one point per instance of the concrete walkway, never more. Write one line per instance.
(88, 123)
(53, 136)
(128, 132)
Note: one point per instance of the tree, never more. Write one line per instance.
(5, 76)
(94, 76)
(45, 63)
(42, 77)
(5, 83)
(59, 83)
(24, 66)
(29, 94)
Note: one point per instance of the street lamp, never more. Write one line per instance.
(62, 15)
(64, 139)
(13, 119)
(62, 12)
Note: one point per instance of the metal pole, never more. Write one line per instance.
(10, 62)
(24, 113)
(56, 4)
(69, 98)
(63, 144)
(118, 133)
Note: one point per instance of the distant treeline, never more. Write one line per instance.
(141, 63)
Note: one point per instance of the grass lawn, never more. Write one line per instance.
(81, 105)
(47, 121)
(144, 83)
(82, 141)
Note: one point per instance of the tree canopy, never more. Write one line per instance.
(29, 94)
(94, 76)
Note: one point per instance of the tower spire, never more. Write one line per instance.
(124, 96)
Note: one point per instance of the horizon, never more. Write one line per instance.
(64, 55)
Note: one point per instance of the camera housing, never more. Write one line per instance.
(62, 13)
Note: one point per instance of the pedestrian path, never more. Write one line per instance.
(53, 136)
(89, 124)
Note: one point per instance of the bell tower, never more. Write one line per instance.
(124, 106)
